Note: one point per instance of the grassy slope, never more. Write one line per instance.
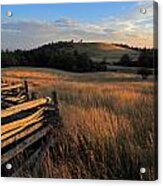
(99, 51)
(108, 124)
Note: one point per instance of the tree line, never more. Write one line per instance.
(64, 56)
(54, 55)
(147, 58)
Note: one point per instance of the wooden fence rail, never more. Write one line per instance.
(20, 128)
(11, 87)
(23, 145)
(12, 94)
(25, 122)
(24, 107)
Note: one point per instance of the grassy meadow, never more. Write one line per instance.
(107, 127)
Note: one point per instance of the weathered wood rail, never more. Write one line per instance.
(12, 94)
(24, 124)
(12, 131)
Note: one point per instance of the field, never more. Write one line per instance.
(107, 127)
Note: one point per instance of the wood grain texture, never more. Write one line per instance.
(23, 145)
(21, 135)
(17, 126)
(9, 88)
(23, 107)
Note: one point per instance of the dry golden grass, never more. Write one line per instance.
(107, 133)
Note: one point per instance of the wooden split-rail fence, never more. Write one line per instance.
(13, 94)
(25, 123)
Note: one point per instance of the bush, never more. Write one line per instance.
(125, 60)
(144, 72)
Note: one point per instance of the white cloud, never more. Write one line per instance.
(134, 29)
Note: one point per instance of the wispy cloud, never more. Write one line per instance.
(134, 28)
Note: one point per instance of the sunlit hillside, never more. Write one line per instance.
(105, 51)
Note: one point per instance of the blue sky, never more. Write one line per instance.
(80, 11)
(34, 25)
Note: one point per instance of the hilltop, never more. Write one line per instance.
(105, 51)
(97, 51)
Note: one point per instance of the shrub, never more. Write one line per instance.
(144, 72)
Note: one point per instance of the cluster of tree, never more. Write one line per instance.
(52, 55)
(148, 58)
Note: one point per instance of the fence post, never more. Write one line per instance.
(26, 89)
(56, 116)
(54, 97)
(33, 95)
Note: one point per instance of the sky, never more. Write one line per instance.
(31, 26)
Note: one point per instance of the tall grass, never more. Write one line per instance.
(108, 133)
(108, 127)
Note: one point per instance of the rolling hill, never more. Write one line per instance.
(101, 51)
(81, 56)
